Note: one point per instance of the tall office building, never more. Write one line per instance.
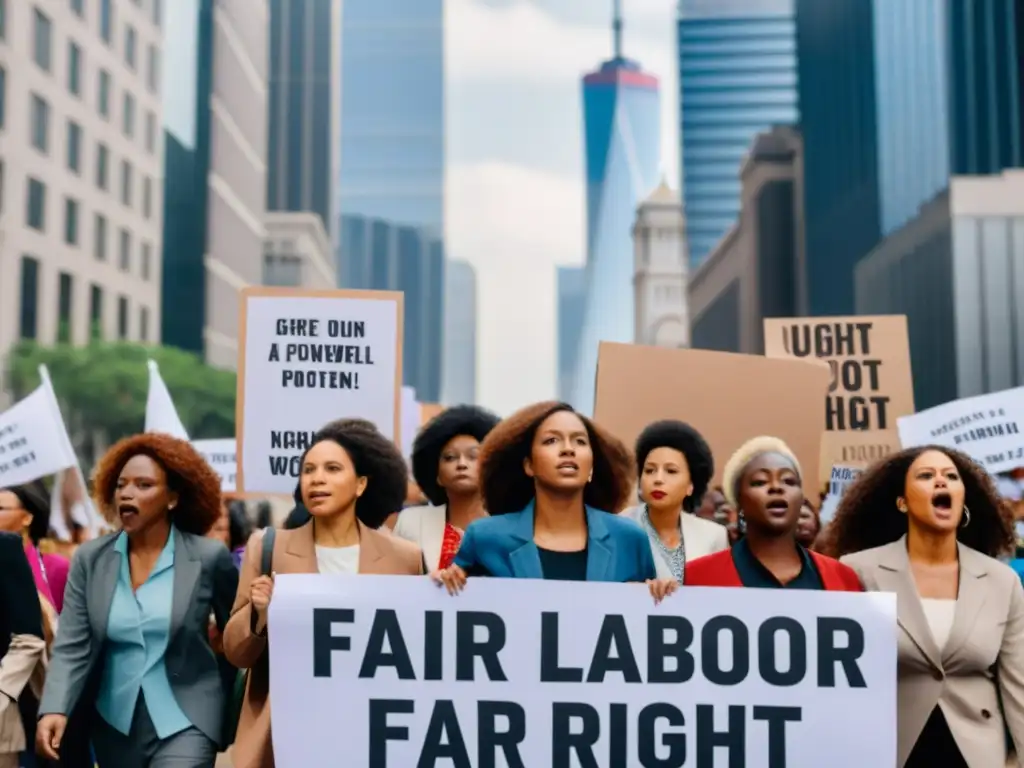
(215, 139)
(392, 168)
(460, 321)
(80, 163)
(622, 137)
(572, 292)
(895, 97)
(304, 152)
(737, 78)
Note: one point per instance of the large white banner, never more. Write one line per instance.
(391, 672)
(307, 358)
(988, 428)
(33, 439)
(162, 416)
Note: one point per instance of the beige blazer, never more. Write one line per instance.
(978, 677)
(294, 552)
(22, 667)
(424, 527)
(700, 537)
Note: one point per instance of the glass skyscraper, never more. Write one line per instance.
(572, 291)
(391, 181)
(737, 78)
(622, 134)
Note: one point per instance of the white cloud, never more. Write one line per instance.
(514, 225)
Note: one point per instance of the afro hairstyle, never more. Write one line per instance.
(374, 457)
(688, 441)
(436, 434)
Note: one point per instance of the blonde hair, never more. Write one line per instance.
(746, 453)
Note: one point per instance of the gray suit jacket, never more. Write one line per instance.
(205, 581)
(977, 678)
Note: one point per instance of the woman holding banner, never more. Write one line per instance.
(352, 479)
(675, 466)
(550, 477)
(928, 524)
(445, 464)
(762, 480)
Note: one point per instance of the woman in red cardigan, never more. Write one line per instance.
(762, 480)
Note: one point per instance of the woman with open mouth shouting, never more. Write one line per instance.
(762, 480)
(928, 524)
(133, 637)
(552, 481)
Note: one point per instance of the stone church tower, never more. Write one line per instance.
(660, 262)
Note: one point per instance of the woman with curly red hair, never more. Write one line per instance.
(928, 524)
(552, 481)
(133, 636)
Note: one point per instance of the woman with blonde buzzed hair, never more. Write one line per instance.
(762, 480)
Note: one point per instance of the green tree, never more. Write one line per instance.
(102, 389)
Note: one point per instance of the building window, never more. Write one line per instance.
(95, 312)
(65, 294)
(78, 6)
(122, 317)
(153, 69)
(74, 69)
(126, 183)
(3, 93)
(147, 197)
(157, 12)
(128, 115)
(103, 96)
(106, 21)
(35, 213)
(42, 50)
(150, 132)
(99, 246)
(124, 261)
(102, 165)
(74, 147)
(144, 324)
(146, 267)
(3, 19)
(70, 221)
(29, 316)
(129, 45)
(40, 128)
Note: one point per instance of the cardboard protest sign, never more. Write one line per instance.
(855, 449)
(730, 398)
(34, 442)
(988, 428)
(305, 359)
(428, 411)
(521, 672)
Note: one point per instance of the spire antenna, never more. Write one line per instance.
(617, 27)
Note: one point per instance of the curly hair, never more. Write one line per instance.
(188, 475)
(438, 432)
(689, 442)
(37, 505)
(507, 488)
(374, 457)
(867, 516)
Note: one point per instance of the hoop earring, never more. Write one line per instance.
(966, 517)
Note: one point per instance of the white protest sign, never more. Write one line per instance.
(410, 420)
(841, 479)
(33, 439)
(305, 359)
(986, 427)
(568, 674)
(162, 416)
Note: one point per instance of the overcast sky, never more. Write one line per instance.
(515, 195)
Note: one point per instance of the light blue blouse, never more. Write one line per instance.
(137, 635)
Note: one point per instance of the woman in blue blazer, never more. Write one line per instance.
(551, 481)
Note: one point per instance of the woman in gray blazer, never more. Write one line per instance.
(928, 524)
(133, 637)
(675, 465)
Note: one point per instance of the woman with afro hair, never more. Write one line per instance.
(445, 465)
(675, 466)
(136, 613)
(550, 479)
(927, 524)
(352, 478)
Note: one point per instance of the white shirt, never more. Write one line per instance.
(940, 614)
(338, 559)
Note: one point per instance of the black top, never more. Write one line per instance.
(563, 566)
(753, 573)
